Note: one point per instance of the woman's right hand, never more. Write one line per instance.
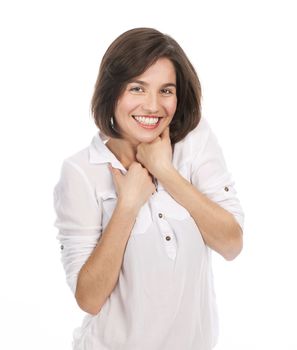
(134, 188)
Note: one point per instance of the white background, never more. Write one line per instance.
(245, 55)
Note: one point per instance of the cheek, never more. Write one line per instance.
(171, 106)
(126, 105)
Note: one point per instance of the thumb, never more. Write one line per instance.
(116, 176)
(115, 171)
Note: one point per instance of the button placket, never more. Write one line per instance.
(168, 238)
(166, 232)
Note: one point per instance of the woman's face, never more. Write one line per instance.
(148, 103)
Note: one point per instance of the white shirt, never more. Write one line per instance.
(164, 298)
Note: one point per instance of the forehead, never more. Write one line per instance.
(162, 69)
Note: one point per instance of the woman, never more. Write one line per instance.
(141, 208)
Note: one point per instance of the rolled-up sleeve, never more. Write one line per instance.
(78, 219)
(210, 175)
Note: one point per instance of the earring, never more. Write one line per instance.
(111, 122)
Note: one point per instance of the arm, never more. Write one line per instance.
(218, 227)
(217, 212)
(91, 258)
(100, 273)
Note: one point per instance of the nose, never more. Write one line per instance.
(151, 103)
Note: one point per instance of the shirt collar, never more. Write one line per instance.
(99, 153)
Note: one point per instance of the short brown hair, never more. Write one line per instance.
(128, 57)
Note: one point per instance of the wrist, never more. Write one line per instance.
(127, 208)
(166, 173)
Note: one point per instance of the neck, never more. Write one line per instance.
(124, 151)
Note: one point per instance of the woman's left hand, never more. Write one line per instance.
(156, 156)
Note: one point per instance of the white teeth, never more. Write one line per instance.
(144, 120)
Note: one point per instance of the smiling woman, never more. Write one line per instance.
(140, 210)
(149, 98)
(127, 64)
(147, 105)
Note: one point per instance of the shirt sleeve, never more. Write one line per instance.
(78, 219)
(210, 175)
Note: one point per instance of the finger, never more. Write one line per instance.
(114, 171)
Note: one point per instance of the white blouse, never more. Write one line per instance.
(164, 298)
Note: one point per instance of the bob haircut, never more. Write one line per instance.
(128, 57)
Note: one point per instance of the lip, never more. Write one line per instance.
(146, 116)
(146, 126)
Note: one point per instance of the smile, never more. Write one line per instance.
(147, 121)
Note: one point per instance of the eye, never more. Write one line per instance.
(166, 91)
(136, 89)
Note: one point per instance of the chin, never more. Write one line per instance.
(148, 138)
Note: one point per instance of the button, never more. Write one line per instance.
(168, 238)
(226, 189)
(62, 247)
(160, 215)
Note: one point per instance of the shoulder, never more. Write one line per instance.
(193, 143)
(79, 158)
(74, 165)
(72, 172)
(79, 165)
(198, 136)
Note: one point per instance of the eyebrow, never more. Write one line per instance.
(146, 84)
